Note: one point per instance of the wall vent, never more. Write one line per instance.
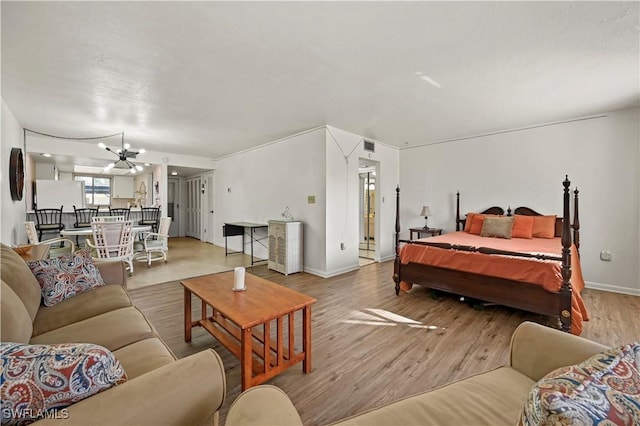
(369, 146)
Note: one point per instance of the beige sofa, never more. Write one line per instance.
(160, 389)
(492, 398)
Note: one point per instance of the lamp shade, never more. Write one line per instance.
(425, 211)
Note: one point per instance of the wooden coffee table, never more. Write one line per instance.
(242, 321)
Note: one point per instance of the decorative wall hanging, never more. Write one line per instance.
(16, 174)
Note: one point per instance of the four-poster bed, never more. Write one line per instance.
(542, 268)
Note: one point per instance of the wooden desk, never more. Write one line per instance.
(241, 321)
(420, 231)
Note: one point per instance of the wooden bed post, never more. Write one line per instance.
(458, 211)
(576, 222)
(396, 265)
(565, 289)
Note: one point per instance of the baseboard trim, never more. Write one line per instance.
(612, 288)
(386, 258)
(324, 274)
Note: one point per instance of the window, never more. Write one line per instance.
(97, 190)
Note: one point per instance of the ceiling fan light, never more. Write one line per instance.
(133, 170)
(139, 168)
(110, 166)
(127, 146)
(142, 151)
(101, 145)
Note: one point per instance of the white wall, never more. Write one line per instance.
(12, 213)
(526, 167)
(265, 180)
(257, 185)
(343, 199)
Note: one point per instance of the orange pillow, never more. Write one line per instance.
(476, 224)
(522, 226)
(469, 221)
(544, 226)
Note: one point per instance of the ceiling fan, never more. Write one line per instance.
(124, 154)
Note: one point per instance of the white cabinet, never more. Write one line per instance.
(122, 187)
(285, 246)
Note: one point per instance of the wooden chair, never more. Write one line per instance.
(150, 216)
(120, 212)
(32, 236)
(156, 244)
(49, 220)
(112, 240)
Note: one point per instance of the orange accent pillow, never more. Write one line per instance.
(469, 221)
(522, 226)
(476, 224)
(544, 226)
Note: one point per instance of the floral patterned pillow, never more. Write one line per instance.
(66, 276)
(39, 381)
(605, 389)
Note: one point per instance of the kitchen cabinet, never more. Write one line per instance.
(122, 187)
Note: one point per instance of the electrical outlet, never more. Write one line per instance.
(606, 255)
(343, 246)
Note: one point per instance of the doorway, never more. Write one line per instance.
(173, 206)
(367, 172)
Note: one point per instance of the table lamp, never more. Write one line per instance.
(426, 213)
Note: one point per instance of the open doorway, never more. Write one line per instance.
(368, 181)
(173, 206)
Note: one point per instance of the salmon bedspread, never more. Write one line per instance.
(546, 273)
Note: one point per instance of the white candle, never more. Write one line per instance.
(238, 278)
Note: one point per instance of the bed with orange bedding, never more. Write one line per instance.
(541, 275)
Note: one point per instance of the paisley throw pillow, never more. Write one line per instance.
(39, 381)
(66, 276)
(605, 389)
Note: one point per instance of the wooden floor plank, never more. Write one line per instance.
(371, 347)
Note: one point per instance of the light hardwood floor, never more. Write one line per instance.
(371, 347)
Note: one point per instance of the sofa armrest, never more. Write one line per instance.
(262, 405)
(537, 350)
(189, 391)
(113, 272)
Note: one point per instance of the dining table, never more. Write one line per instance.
(88, 231)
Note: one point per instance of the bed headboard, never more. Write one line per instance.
(460, 223)
(527, 211)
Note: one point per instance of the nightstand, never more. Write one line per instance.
(420, 231)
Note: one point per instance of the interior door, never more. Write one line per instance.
(193, 222)
(209, 212)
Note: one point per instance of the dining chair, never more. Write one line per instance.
(156, 244)
(84, 216)
(112, 240)
(62, 248)
(150, 216)
(49, 220)
(120, 212)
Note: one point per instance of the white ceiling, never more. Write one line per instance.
(212, 78)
